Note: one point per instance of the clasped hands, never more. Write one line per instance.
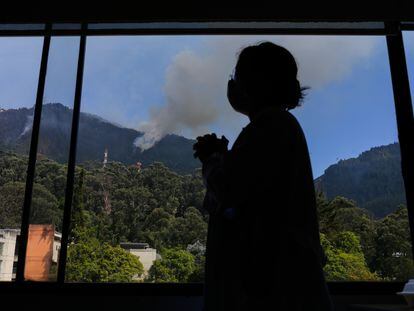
(208, 144)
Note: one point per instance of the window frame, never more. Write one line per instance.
(402, 100)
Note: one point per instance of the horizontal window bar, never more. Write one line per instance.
(238, 25)
(21, 27)
(407, 25)
(194, 28)
(66, 26)
(180, 289)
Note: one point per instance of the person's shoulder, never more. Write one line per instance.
(288, 116)
(284, 119)
(294, 128)
(287, 127)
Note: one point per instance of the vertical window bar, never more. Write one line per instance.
(72, 159)
(404, 115)
(24, 230)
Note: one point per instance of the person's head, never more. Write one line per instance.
(265, 75)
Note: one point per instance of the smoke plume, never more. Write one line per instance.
(196, 80)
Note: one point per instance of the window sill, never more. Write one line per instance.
(175, 289)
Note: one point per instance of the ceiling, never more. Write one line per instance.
(157, 11)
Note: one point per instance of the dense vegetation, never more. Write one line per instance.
(373, 179)
(122, 203)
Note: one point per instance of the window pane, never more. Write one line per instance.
(409, 52)
(19, 72)
(137, 208)
(51, 166)
(355, 154)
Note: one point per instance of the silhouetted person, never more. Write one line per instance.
(263, 246)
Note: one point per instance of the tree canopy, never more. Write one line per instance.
(122, 203)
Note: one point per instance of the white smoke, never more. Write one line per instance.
(196, 81)
(27, 126)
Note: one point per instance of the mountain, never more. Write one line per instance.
(94, 136)
(373, 180)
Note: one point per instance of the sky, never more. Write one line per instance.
(177, 84)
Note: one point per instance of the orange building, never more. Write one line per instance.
(39, 253)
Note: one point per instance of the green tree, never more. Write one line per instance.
(176, 265)
(91, 261)
(156, 228)
(198, 249)
(342, 214)
(393, 257)
(44, 209)
(81, 225)
(345, 260)
(11, 204)
(193, 193)
(12, 168)
(130, 208)
(165, 185)
(188, 229)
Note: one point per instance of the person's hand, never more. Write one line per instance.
(208, 144)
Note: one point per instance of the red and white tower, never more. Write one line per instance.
(105, 157)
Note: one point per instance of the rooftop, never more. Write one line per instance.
(131, 245)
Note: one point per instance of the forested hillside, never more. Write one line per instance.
(373, 180)
(95, 135)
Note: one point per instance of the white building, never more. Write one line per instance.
(8, 253)
(146, 255)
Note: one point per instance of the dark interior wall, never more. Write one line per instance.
(151, 303)
(123, 11)
(85, 302)
(45, 300)
(345, 302)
